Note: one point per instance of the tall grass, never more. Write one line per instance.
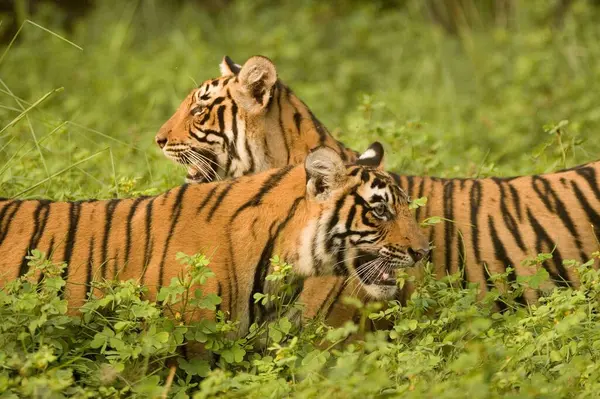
(466, 105)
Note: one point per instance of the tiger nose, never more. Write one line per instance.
(418, 254)
(161, 142)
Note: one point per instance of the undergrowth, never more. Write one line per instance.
(443, 342)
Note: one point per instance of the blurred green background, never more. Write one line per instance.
(457, 88)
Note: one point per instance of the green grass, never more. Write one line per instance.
(78, 118)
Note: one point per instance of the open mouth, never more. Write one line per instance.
(201, 166)
(196, 175)
(374, 270)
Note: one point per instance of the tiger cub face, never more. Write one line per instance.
(365, 228)
(211, 132)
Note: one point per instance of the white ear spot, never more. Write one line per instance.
(228, 67)
(370, 153)
(373, 156)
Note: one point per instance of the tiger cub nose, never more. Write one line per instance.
(418, 254)
(161, 142)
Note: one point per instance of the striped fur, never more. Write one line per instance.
(494, 222)
(323, 217)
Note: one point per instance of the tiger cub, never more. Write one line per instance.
(323, 216)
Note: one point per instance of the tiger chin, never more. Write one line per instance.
(323, 216)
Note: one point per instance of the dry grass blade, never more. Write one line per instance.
(32, 106)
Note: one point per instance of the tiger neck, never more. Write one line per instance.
(298, 131)
(303, 245)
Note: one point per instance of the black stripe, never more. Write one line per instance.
(462, 262)
(198, 138)
(175, 213)
(217, 133)
(499, 249)
(593, 216)
(338, 293)
(219, 294)
(74, 213)
(509, 220)
(165, 196)
(317, 125)
(40, 218)
(263, 265)
(149, 240)
(49, 256)
(333, 221)
(269, 184)
(221, 118)
(589, 174)
(339, 268)
(129, 233)
(410, 185)
(419, 195)
(14, 205)
(475, 203)
(7, 205)
(296, 286)
(108, 217)
(207, 198)
(116, 264)
(553, 203)
(219, 200)
(448, 226)
(282, 127)
(298, 121)
(541, 238)
(90, 265)
(342, 151)
(516, 201)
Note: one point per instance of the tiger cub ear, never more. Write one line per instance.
(257, 78)
(373, 156)
(228, 67)
(325, 172)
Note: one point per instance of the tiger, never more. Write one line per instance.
(322, 216)
(248, 119)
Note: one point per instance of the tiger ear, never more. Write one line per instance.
(257, 78)
(373, 156)
(228, 67)
(325, 172)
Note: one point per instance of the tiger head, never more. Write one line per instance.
(220, 130)
(365, 228)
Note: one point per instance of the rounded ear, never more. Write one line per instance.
(228, 67)
(325, 172)
(257, 78)
(373, 156)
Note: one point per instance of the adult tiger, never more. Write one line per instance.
(248, 120)
(325, 218)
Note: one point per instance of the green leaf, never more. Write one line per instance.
(431, 221)
(315, 359)
(197, 367)
(418, 202)
(162, 337)
(285, 325)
